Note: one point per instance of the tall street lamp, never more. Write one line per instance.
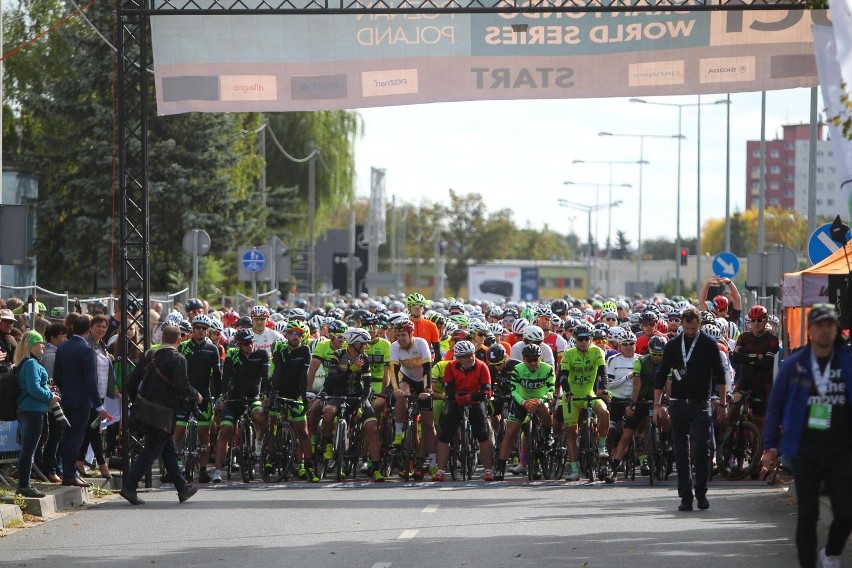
(680, 107)
(609, 225)
(642, 161)
(588, 209)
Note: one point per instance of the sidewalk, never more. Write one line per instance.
(57, 498)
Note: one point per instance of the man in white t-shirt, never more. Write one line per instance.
(264, 337)
(619, 373)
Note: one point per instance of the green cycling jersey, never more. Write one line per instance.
(582, 369)
(528, 384)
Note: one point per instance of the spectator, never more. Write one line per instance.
(7, 341)
(106, 388)
(33, 400)
(54, 336)
(76, 375)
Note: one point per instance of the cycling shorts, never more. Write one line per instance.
(569, 414)
(517, 412)
(639, 414)
(233, 410)
(453, 416)
(205, 417)
(365, 410)
(291, 412)
(418, 387)
(616, 410)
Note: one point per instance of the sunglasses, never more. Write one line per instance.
(587, 338)
(297, 333)
(480, 334)
(628, 343)
(674, 320)
(758, 320)
(610, 319)
(531, 360)
(202, 327)
(656, 353)
(508, 320)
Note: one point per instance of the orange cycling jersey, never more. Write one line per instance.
(427, 330)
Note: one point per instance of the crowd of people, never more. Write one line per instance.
(686, 363)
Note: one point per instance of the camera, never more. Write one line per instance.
(59, 414)
(679, 374)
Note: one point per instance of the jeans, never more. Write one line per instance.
(691, 421)
(810, 470)
(73, 439)
(50, 461)
(156, 443)
(31, 425)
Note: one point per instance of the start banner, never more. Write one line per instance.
(240, 63)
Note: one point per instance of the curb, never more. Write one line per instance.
(10, 514)
(62, 499)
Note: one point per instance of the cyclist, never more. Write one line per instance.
(379, 355)
(673, 322)
(321, 353)
(349, 376)
(205, 375)
(648, 323)
(411, 370)
(244, 373)
(194, 307)
(424, 328)
(582, 373)
(619, 372)
(441, 323)
(290, 361)
(264, 337)
(478, 333)
(533, 389)
(755, 354)
(467, 383)
(532, 334)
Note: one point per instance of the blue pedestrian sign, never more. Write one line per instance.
(821, 245)
(726, 264)
(253, 260)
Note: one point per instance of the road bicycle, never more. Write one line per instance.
(191, 448)
(242, 444)
(278, 449)
(463, 448)
(406, 453)
(587, 439)
(347, 441)
(741, 446)
(537, 443)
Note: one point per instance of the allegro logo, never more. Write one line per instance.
(248, 87)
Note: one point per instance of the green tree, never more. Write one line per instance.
(622, 248)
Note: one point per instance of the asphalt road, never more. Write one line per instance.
(395, 525)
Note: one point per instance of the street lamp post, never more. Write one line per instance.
(589, 209)
(609, 222)
(680, 107)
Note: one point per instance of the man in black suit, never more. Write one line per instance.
(75, 373)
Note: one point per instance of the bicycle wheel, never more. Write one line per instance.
(630, 461)
(356, 449)
(405, 462)
(651, 449)
(468, 454)
(560, 455)
(739, 452)
(453, 461)
(386, 435)
(591, 453)
(320, 468)
(340, 450)
(190, 452)
(277, 453)
(247, 451)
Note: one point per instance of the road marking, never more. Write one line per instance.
(381, 565)
(409, 534)
(828, 242)
(430, 509)
(445, 489)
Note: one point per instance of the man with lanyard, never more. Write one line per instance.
(290, 361)
(696, 367)
(619, 373)
(411, 372)
(755, 356)
(245, 372)
(467, 383)
(644, 371)
(424, 328)
(205, 376)
(533, 389)
(582, 373)
(811, 400)
(349, 376)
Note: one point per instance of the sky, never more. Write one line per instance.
(517, 154)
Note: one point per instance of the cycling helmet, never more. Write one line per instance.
(355, 335)
(194, 304)
(215, 325)
(510, 313)
(173, 318)
(757, 312)
(543, 311)
(712, 330)
(297, 313)
(598, 335)
(260, 312)
(228, 334)
(201, 319)
(416, 300)
(244, 336)
(243, 322)
(438, 319)
(404, 325)
(582, 331)
(280, 327)
(720, 303)
(622, 305)
(519, 325)
(657, 343)
(297, 325)
(315, 322)
(531, 351)
(559, 307)
(495, 312)
(601, 326)
(708, 318)
(609, 306)
(370, 319)
(533, 333)
(575, 313)
(456, 307)
(616, 333)
(674, 314)
(336, 328)
(477, 326)
(496, 353)
(184, 326)
(463, 349)
(570, 322)
(394, 319)
(648, 316)
(556, 322)
(336, 313)
(229, 319)
(496, 329)
(773, 319)
(450, 328)
(275, 317)
(460, 320)
(662, 326)
(628, 337)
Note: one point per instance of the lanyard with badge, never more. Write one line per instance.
(819, 414)
(686, 355)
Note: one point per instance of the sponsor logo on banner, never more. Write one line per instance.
(656, 73)
(391, 82)
(727, 69)
(248, 87)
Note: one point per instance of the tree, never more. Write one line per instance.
(622, 249)
(781, 226)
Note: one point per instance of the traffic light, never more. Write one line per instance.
(684, 254)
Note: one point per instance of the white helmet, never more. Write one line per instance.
(616, 333)
(519, 325)
(477, 326)
(356, 335)
(533, 333)
(712, 330)
(463, 349)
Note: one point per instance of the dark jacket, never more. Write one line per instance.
(146, 381)
(75, 373)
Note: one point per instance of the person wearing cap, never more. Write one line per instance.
(810, 400)
(7, 342)
(34, 398)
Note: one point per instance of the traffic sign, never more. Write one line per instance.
(253, 260)
(726, 264)
(200, 247)
(821, 245)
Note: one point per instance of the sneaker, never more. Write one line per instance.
(826, 561)
(488, 475)
(418, 472)
(397, 440)
(685, 506)
(365, 468)
(31, 492)
(602, 451)
(519, 470)
(377, 476)
(204, 477)
(311, 476)
(216, 477)
(703, 503)
(328, 452)
(607, 474)
(645, 470)
(432, 471)
(185, 496)
(573, 473)
(130, 495)
(537, 473)
(303, 472)
(439, 475)
(499, 476)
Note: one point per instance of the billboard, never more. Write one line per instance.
(242, 63)
(494, 283)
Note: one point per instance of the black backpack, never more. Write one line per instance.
(8, 396)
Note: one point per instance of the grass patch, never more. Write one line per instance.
(15, 524)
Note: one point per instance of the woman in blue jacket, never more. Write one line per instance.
(33, 401)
